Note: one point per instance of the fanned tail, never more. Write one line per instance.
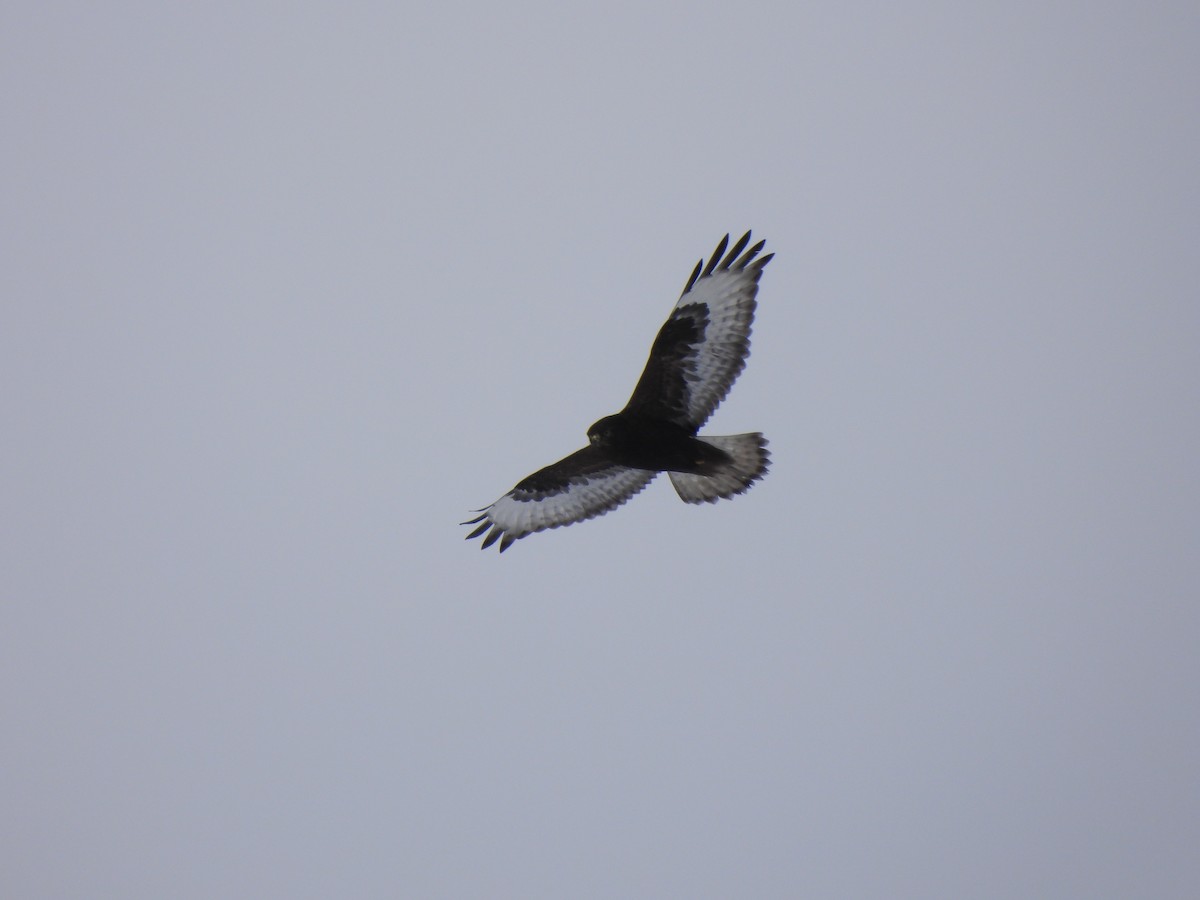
(749, 463)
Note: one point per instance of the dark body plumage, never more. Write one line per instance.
(697, 355)
(644, 442)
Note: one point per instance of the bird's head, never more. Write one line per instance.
(605, 430)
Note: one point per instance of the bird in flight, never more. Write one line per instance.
(697, 356)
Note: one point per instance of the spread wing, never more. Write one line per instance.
(581, 486)
(703, 346)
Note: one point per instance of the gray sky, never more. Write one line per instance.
(287, 292)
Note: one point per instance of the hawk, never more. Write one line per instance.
(695, 359)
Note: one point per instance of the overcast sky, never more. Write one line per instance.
(287, 292)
